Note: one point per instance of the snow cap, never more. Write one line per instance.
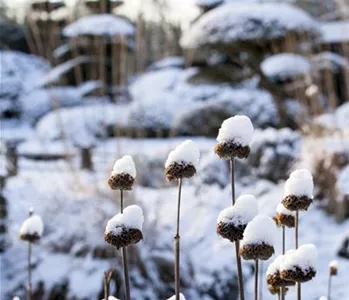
(261, 229)
(131, 218)
(181, 297)
(238, 128)
(244, 210)
(323, 298)
(111, 298)
(186, 152)
(304, 257)
(125, 165)
(334, 264)
(281, 209)
(274, 267)
(300, 183)
(32, 225)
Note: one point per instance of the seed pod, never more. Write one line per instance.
(179, 170)
(261, 251)
(125, 237)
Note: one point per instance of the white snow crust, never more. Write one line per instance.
(125, 165)
(300, 183)
(186, 152)
(281, 209)
(304, 257)
(32, 225)
(181, 297)
(275, 266)
(261, 229)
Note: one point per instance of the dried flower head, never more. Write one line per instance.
(234, 137)
(285, 217)
(123, 175)
(32, 228)
(333, 267)
(182, 161)
(273, 274)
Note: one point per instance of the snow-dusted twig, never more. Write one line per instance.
(181, 163)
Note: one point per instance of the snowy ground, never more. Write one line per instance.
(75, 206)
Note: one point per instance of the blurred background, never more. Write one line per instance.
(83, 82)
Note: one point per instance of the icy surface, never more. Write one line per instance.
(281, 209)
(32, 225)
(286, 65)
(186, 152)
(236, 22)
(335, 32)
(261, 229)
(244, 210)
(132, 217)
(300, 183)
(125, 165)
(304, 257)
(238, 129)
(100, 25)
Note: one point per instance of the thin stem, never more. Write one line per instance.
(177, 242)
(329, 287)
(237, 243)
(282, 289)
(298, 285)
(261, 274)
(124, 256)
(105, 284)
(29, 287)
(256, 280)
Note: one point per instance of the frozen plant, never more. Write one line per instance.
(123, 175)
(31, 232)
(181, 163)
(232, 221)
(284, 217)
(333, 271)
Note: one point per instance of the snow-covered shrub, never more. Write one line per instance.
(273, 152)
(206, 117)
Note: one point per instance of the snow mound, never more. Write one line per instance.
(337, 120)
(131, 218)
(300, 183)
(285, 66)
(32, 225)
(125, 165)
(244, 210)
(281, 209)
(186, 152)
(335, 32)
(304, 257)
(181, 297)
(168, 62)
(329, 60)
(248, 22)
(261, 229)
(99, 25)
(238, 129)
(275, 266)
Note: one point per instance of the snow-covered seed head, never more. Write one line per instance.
(285, 217)
(333, 267)
(32, 228)
(182, 162)
(259, 239)
(123, 175)
(181, 297)
(234, 138)
(126, 228)
(323, 298)
(299, 265)
(299, 189)
(232, 221)
(273, 274)
(111, 298)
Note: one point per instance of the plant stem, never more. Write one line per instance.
(329, 287)
(298, 285)
(282, 289)
(256, 280)
(105, 283)
(29, 287)
(177, 242)
(237, 243)
(124, 256)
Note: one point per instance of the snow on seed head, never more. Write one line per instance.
(304, 257)
(275, 266)
(132, 217)
(186, 152)
(300, 183)
(261, 229)
(181, 297)
(243, 211)
(124, 165)
(281, 209)
(238, 129)
(33, 225)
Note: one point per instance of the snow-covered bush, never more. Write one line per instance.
(273, 152)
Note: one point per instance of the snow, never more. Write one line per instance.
(32, 225)
(261, 229)
(285, 65)
(300, 183)
(208, 3)
(181, 297)
(187, 152)
(112, 298)
(244, 210)
(304, 257)
(334, 32)
(329, 60)
(125, 165)
(238, 129)
(167, 62)
(132, 217)
(99, 25)
(312, 90)
(334, 264)
(323, 298)
(275, 266)
(337, 120)
(236, 22)
(281, 209)
(343, 181)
